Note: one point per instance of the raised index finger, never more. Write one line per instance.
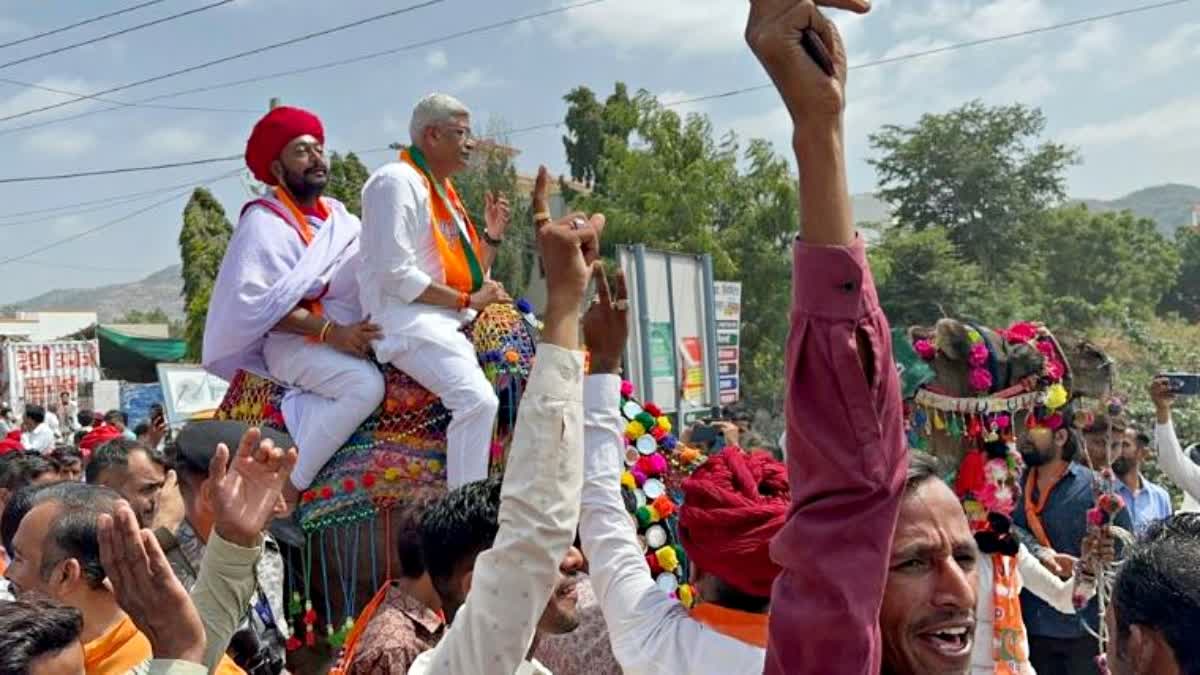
(604, 295)
(856, 6)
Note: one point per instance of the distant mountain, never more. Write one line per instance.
(162, 289)
(1170, 206)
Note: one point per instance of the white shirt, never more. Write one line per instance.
(54, 424)
(40, 439)
(1178, 467)
(650, 631)
(539, 509)
(1031, 576)
(399, 259)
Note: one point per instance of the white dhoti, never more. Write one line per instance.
(446, 364)
(329, 394)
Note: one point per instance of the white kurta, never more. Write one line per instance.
(266, 272)
(399, 260)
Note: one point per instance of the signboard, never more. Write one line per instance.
(727, 306)
(662, 354)
(692, 354)
(37, 372)
(189, 392)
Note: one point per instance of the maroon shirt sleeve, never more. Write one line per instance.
(847, 459)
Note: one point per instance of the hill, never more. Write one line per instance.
(1170, 206)
(162, 289)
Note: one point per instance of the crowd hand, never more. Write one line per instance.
(354, 339)
(490, 293)
(147, 590)
(606, 322)
(1062, 565)
(539, 200)
(775, 32)
(1160, 394)
(248, 493)
(570, 247)
(158, 431)
(496, 214)
(171, 509)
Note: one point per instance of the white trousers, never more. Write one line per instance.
(330, 395)
(446, 364)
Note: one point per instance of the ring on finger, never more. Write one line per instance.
(577, 224)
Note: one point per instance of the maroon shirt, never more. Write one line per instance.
(847, 460)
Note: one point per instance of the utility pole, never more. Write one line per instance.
(274, 103)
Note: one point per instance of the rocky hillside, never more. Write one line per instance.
(162, 289)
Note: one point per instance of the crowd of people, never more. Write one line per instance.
(139, 550)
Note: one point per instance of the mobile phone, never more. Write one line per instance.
(1182, 384)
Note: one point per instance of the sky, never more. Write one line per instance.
(1118, 90)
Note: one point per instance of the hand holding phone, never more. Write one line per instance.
(1182, 384)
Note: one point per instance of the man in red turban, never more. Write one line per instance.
(285, 303)
(733, 505)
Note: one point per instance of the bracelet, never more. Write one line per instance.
(324, 330)
(464, 300)
(490, 240)
(540, 216)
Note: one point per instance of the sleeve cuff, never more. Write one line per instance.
(411, 284)
(218, 551)
(601, 392)
(833, 281)
(557, 372)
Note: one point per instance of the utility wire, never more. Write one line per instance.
(147, 102)
(123, 31)
(128, 169)
(116, 104)
(226, 59)
(77, 24)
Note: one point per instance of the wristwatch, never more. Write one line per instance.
(490, 240)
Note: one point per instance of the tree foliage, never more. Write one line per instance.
(981, 172)
(592, 126)
(492, 170)
(347, 175)
(1184, 297)
(175, 329)
(921, 277)
(202, 242)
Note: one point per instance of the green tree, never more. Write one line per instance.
(1184, 297)
(156, 315)
(981, 172)
(202, 242)
(347, 175)
(920, 277)
(591, 126)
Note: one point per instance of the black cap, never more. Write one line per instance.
(197, 441)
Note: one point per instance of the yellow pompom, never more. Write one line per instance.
(686, 596)
(667, 558)
(1056, 396)
(664, 424)
(635, 430)
(391, 473)
(655, 516)
(627, 480)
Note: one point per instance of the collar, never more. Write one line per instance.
(109, 644)
(414, 609)
(742, 626)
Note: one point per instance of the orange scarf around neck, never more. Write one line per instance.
(1033, 511)
(742, 626)
(460, 253)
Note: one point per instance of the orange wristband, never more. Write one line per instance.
(464, 300)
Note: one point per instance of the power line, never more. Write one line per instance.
(226, 59)
(116, 103)
(115, 221)
(309, 69)
(77, 24)
(66, 209)
(123, 31)
(109, 172)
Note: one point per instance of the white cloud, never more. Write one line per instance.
(61, 143)
(677, 26)
(30, 98)
(1180, 46)
(471, 78)
(937, 15)
(1000, 17)
(1174, 125)
(436, 59)
(1098, 39)
(174, 142)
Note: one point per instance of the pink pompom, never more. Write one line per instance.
(1054, 369)
(925, 350)
(638, 476)
(1046, 347)
(626, 388)
(1095, 517)
(979, 355)
(1003, 422)
(1019, 332)
(980, 379)
(1053, 422)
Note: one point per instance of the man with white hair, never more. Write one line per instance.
(424, 273)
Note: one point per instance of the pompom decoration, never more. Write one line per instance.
(368, 480)
(524, 306)
(391, 474)
(1056, 396)
(925, 350)
(664, 423)
(686, 596)
(497, 450)
(970, 479)
(1054, 369)
(1095, 517)
(1046, 348)
(980, 379)
(639, 476)
(655, 566)
(666, 558)
(646, 421)
(1021, 332)
(294, 643)
(627, 480)
(1003, 422)
(652, 465)
(653, 410)
(655, 516)
(643, 517)
(1053, 422)
(635, 430)
(626, 389)
(664, 506)
(978, 356)
(308, 496)
(689, 455)
(349, 485)
(326, 492)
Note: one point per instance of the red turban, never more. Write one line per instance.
(273, 132)
(11, 442)
(733, 505)
(99, 436)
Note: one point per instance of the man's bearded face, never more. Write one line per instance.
(305, 171)
(1038, 447)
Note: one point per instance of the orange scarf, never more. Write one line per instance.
(306, 235)
(741, 626)
(1033, 512)
(460, 262)
(1009, 646)
(123, 647)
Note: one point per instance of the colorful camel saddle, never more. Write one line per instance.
(401, 447)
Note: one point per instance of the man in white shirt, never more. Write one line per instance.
(35, 433)
(497, 596)
(425, 272)
(70, 412)
(53, 422)
(1178, 467)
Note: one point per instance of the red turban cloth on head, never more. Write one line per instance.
(272, 133)
(733, 505)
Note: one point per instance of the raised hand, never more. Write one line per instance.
(490, 293)
(777, 32)
(496, 214)
(606, 323)
(569, 248)
(248, 493)
(146, 588)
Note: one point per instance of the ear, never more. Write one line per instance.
(1060, 438)
(277, 170)
(204, 495)
(66, 579)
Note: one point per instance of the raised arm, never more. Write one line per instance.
(1181, 470)
(539, 500)
(847, 455)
